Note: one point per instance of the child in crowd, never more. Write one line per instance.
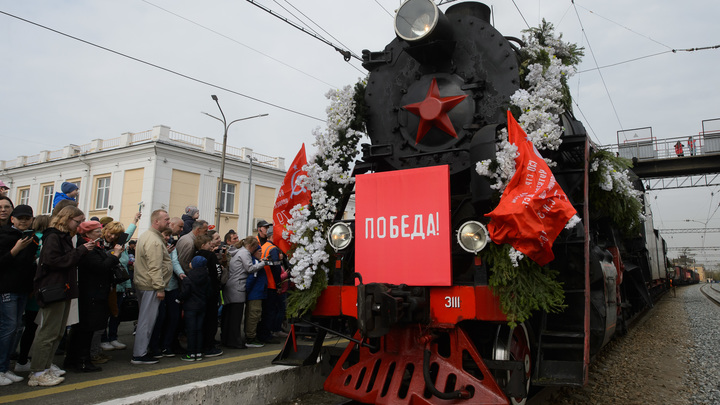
(194, 295)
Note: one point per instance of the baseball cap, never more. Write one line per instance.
(262, 223)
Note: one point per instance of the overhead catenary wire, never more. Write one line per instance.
(347, 54)
(240, 43)
(596, 64)
(162, 68)
(386, 10)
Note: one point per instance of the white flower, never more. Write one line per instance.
(327, 170)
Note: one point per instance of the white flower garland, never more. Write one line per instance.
(540, 105)
(310, 251)
(614, 180)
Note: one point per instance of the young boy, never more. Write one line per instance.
(194, 295)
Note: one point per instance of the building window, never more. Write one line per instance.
(227, 198)
(102, 197)
(24, 196)
(47, 198)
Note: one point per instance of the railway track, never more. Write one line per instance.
(713, 294)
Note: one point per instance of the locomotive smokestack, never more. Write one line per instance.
(474, 9)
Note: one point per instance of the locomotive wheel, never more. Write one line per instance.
(513, 344)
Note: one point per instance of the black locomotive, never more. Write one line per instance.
(438, 95)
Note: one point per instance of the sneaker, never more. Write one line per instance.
(214, 352)
(118, 344)
(107, 346)
(198, 357)
(56, 371)
(21, 368)
(46, 379)
(254, 343)
(280, 334)
(167, 353)
(187, 357)
(156, 355)
(146, 359)
(4, 380)
(12, 376)
(100, 358)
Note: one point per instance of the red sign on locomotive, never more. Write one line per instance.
(402, 225)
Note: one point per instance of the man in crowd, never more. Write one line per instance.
(262, 229)
(186, 245)
(153, 269)
(168, 318)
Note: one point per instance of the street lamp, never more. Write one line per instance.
(226, 127)
(250, 225)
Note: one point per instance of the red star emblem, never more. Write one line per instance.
(433, 111)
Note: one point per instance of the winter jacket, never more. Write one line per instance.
(95, 277)
(16, 272)
(214, 269)
(58, 261)
(153, 267)
(256, 285)
(195, 290)
(240, 266)
(59, 197)
(188, 222)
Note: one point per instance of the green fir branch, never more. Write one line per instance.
(522, 289)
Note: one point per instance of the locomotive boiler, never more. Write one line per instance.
(410, 276)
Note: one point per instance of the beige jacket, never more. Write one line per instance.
(153, 267)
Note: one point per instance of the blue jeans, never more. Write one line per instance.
(12, 307)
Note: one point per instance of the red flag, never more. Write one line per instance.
(290, 195)
(534, 208)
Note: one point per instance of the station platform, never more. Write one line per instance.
(239, 376)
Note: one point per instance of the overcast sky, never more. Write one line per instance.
(56, 90)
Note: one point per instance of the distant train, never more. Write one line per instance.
(683, 276)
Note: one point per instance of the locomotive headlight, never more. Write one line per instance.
(472, 236)
(339, 236)
(416, 19)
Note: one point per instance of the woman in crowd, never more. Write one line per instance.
(17, 255)
(95, 276)
(40, 224)
(234, 292)
(111, 232)
(6, 208)
(57, 267)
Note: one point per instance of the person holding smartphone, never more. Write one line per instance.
(18, 245)
(95, 277)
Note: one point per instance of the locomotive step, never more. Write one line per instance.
(556, 372)
(563, 333)
(544, 345)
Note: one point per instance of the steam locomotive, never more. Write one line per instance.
(409, 275)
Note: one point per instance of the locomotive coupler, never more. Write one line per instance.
(380, 306)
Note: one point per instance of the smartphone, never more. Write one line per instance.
(97, 239)
(122, 239)
(28, 233)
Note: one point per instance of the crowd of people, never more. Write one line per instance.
(67, 283)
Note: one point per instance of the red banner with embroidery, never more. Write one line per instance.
(533, 208)
(290, 195)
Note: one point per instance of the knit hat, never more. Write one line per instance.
(68, 187)
(198, 262)
(105, 220)
(191, 210)
(88, 226)
(22, 211)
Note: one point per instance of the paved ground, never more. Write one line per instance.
(119, 378)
